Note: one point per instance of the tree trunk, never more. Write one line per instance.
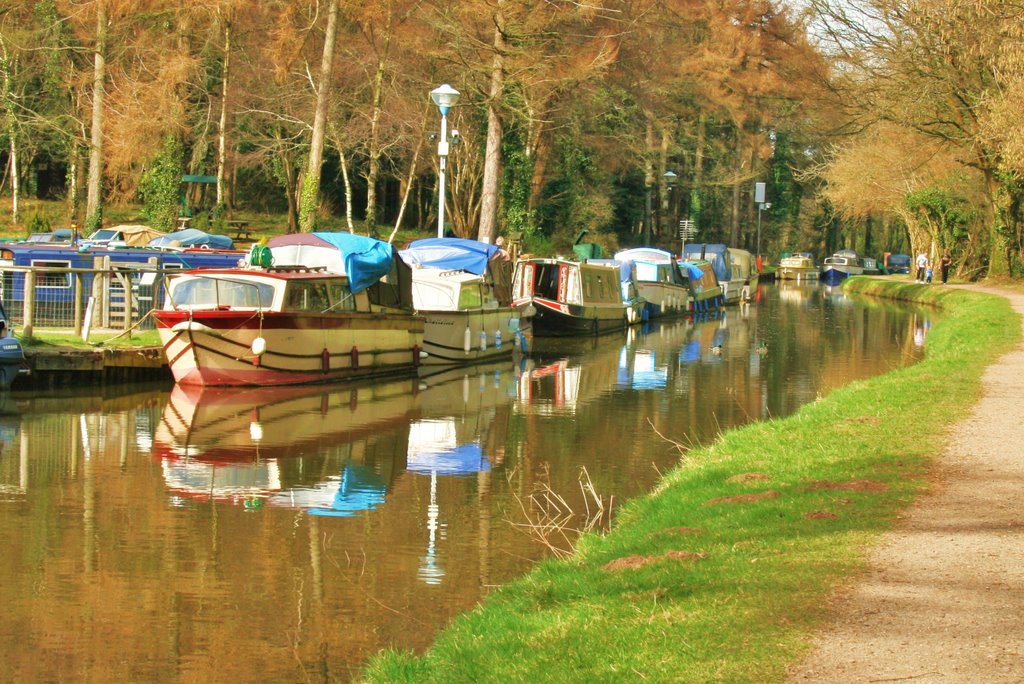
(998, 257)
(11, 126)
(648, 176)
(310, 200)
(346, 180)
(373, 153)
(696, 193)
(222, 138)
(734, 229)
(492, 156)
(94, 198)
(410, 179)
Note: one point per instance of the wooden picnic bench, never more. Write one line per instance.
(239, 229)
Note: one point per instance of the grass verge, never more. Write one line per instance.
(724, 571)
(109, 340)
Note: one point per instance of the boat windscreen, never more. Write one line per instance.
(213, 293)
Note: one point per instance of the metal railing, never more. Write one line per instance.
(80, 299)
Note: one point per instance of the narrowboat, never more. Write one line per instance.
(744, 276)
(798, 266)
(309, 308)
(463, 290)
(56, 290)
(722, 258)
(705, 292)
(658, 281)
(572, 297)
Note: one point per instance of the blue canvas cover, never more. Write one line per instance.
(692, 271)
(450, 254)
(717, 255)
(367, 259)
(192, 237)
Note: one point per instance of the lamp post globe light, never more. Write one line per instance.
(444, 97)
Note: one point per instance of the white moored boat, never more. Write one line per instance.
(658, 281)
(798, 266)
(316, 307)
(841, 265)
(462, 289)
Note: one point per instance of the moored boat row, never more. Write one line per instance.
(320, 307)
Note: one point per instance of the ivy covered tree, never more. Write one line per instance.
(160, 186)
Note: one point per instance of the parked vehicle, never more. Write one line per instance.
(121, 236)
(897, 263)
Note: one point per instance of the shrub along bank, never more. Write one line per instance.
(722, 573)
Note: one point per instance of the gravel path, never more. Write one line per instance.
(943, 600)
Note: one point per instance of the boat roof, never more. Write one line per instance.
(278, 273)
(364, 260)
(658, 256)
(455, 254)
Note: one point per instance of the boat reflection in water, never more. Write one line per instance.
(328, 450)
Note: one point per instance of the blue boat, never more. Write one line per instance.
(54, 294)
(840, 266)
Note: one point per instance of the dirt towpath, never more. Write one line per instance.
(943, 600)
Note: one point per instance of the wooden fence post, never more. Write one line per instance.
(30, 304)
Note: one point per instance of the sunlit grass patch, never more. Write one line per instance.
(725, 569)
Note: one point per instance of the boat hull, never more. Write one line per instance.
(664, 299)
(798, 273)
(472, 336)
(215, 348)
(555, 319)
(834, 275)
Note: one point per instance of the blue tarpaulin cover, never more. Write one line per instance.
(692, 270)
(450, 254)
(192, 237)
(717, 255)
(366, 260)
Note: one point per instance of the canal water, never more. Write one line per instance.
(287, 534)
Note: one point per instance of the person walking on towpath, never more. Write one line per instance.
(944, 263)
(922, 267)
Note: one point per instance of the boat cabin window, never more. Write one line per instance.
(650, 273)
(50, 279)
(306, 296)
(212, 293)
(470, 296)
(319, 296)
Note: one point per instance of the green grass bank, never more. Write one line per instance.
(724, 571)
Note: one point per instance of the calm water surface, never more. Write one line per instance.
(155, 534)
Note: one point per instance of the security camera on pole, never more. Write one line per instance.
(444, 97)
